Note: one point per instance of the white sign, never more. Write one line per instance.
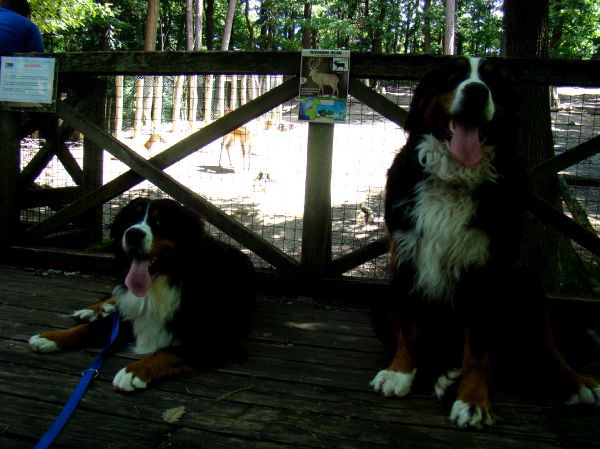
(29, 81)
(324, 77)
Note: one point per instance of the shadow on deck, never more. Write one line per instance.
(305, 384)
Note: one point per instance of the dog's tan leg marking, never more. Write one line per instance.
(397, 379)
(472, 407)
(571, 386)
(162, 363)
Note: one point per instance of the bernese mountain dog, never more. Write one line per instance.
(186, 298)
(458, 306)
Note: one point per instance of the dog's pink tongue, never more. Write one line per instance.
(138, 277)
(464, 145)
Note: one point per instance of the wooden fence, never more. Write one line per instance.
(81, 92)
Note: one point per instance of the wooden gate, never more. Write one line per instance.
(85, 201)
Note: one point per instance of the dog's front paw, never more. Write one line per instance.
(127, 381)
(445, 381)
(90, 315)
(588, 393)
(42, 344)
(393, 383)
(470, 415)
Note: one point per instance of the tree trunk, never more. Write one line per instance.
(243, 90)
(157, 109)
(143, 108)
(377, 31)
(526, 35)
(192, 90)
(177, 96)
(118, 105)
(249, 25)
(228, 25)
(210, 24)
(427, 27)
(449, 31)
(224, 47)
(139, 106)
(307, 31)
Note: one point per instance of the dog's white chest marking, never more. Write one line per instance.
(442, 243)
(150, 314)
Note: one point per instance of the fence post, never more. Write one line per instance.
(93, 155)
(10, 156)
(316, 230)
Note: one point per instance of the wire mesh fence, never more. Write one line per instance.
(265, 190)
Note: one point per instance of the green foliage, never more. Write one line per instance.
(479, 27)
(359, 25)
(575, 29)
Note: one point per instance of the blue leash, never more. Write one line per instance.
(86, 376)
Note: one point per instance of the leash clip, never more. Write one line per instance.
(95, 371)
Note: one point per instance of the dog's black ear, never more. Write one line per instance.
(420, 99)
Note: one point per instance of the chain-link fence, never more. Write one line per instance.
(265, 191)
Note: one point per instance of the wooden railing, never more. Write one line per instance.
(78, 75)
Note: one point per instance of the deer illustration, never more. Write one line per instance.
(323, 79)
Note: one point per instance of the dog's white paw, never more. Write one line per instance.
(126, 381)
(393, 383)
(87, 315)
(445, 381)
(41, 344)
(467, 415)
(90, 315)
(589, 395)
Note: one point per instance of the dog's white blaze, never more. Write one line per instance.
(150, 314)
(145, 228)
(442, 244)
(473, 78)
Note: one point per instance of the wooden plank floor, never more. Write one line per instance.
(305, 384)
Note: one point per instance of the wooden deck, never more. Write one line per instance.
(305, 384)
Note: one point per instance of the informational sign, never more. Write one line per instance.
(324, 76)
(28, 82)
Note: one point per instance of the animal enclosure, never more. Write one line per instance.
(268, 197)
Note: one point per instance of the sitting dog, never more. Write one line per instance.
(186, 298)
(458, 305)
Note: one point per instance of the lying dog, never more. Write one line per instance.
(186, 298)
(453, 206)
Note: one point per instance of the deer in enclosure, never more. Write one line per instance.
(323, 79)
(243, 136)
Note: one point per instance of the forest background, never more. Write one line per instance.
(515, 28)
(389, 26)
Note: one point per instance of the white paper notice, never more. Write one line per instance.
(27, 79)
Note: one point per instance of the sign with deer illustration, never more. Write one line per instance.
(324, 85)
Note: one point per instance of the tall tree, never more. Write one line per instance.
(210, 24)
(249, 25)
(449, 28)
(150, 32)
(427, 27)
(308, 32)
(526, 35)
(225, 39)
(210, 38)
